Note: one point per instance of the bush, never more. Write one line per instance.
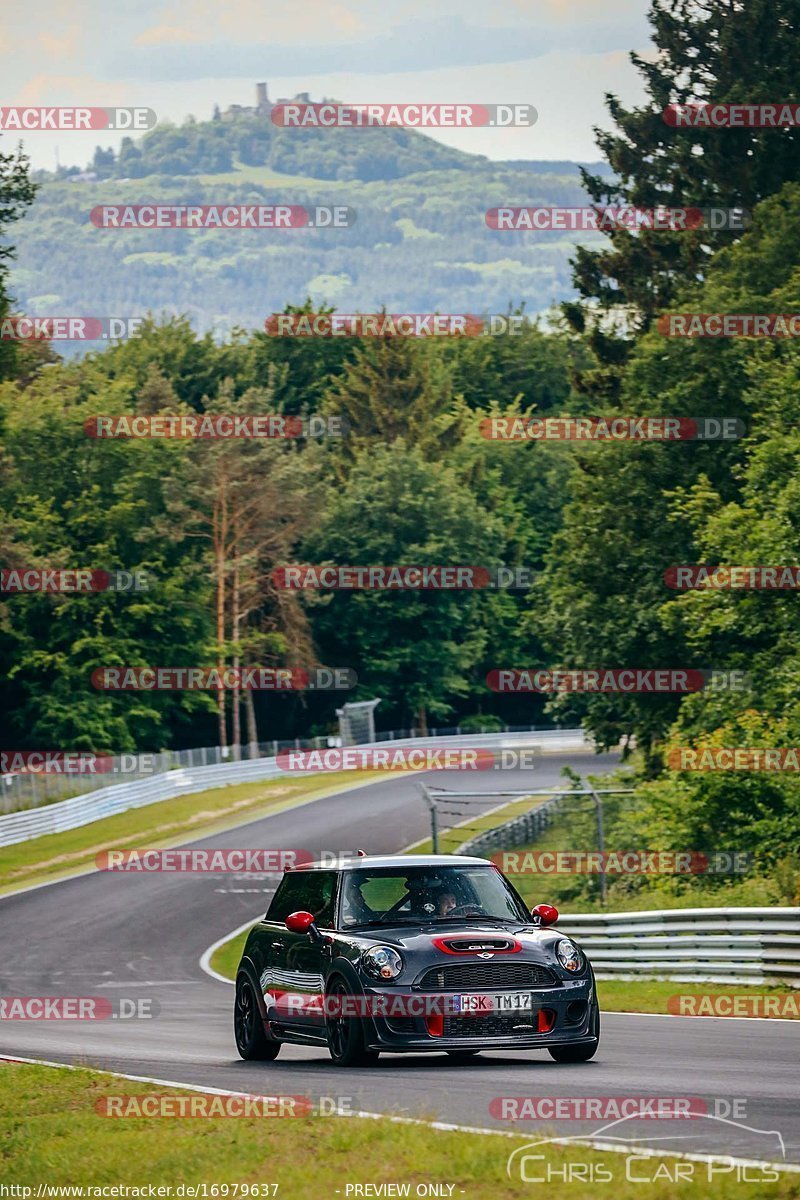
(482, 723)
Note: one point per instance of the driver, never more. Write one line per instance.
(447, 902)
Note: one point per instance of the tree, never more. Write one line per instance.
(725, 51)
(633, 510)
(74, 501)
(397, 387)
(416, 649)
(303, 368)
(248, 500)
(104, 161)
(17, 193)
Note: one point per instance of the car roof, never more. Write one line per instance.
(400, 861)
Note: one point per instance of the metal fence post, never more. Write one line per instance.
(601, 845)
(434, 818)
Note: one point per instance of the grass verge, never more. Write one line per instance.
(225, 959)
(626, 893)
(450, 839)
(652, 995)
(165, 823)
(53, 1135)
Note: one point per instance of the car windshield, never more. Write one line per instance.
(422, 894)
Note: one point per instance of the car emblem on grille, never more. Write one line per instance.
(485, 954)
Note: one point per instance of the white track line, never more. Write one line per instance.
(614, 1147)
(615, 1012)
(205, 961)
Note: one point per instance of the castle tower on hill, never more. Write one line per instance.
(262, 108)
(263, 105)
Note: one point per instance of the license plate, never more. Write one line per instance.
(481, 1002)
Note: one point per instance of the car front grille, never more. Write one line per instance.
(486, 976)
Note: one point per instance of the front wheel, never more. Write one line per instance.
(248, 1028)
(346, 1034)
(582, 1053)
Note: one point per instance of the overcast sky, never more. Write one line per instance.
(178, 58)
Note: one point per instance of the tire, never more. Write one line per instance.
(346, 1035)
(248, 1027)
(578, 1054)
(462, 1056)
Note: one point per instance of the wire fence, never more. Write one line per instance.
(457, 828)
(110, 801)
(34, 789)
(519, 831)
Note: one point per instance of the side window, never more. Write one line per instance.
(305, 891)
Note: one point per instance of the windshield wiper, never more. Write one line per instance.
(386, 919)
(473, 917)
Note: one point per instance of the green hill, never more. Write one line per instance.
(419, 243)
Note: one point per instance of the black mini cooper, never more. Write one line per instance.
(411, 953)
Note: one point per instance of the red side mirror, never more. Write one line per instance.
(543, 914)
(299, 922)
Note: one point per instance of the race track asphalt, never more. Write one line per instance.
(142, 936)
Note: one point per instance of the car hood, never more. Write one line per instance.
(486, 935)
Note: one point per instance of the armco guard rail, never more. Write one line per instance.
(108, 802)
(519, 831)
(692, 945)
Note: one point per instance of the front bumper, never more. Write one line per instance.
(569, 1010)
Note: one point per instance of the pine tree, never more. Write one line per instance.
(16, 193)
(721, 51)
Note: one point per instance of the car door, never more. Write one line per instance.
(293, 982)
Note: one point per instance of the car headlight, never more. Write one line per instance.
(569, 955)
(382, 962)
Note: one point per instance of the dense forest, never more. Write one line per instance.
(414, 481)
